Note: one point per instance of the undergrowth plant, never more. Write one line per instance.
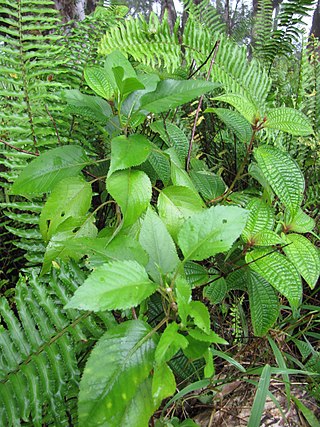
(142, 241)
(168, 224)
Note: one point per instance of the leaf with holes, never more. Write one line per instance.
(264, 303)
(114, 387)
(210, 232)
(157, 242)
(132, 190)
(176, 204)
(288, 120)
(44, 172)
(304, 256)
(113, 286)
(283, 174)
(276, 269)
(128, 151)
(71, 197)
(245, 107)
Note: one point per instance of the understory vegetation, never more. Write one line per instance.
(159, 215)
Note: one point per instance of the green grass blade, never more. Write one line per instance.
(260, 397)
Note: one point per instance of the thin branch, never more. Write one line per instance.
(54, 124)
(213, 51)
(214, 54)
(21, 150)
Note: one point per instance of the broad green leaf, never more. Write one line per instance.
(308, 414)
(163, 383)
(304, 256)
(99, 81)
(237, 280)
(173, 137)
(196, 349)
(170, 343)
(288, 120)
(234, 121)
(245, 107)
(216, 291)
(210, 337)
(266, 238)
(71, 197)
(160, 162)
(210, 232)
(115, 285)
(126, 85)
(132, 190)
(44, 172)
(61, 244)
(128, 151)
(183, 298)
(87, 105)
(208, 184)
(132, 103)
(264, 304)
(196, 274)
(102, 250)
(276, 269)
(114, 60)
(176, 204)
(300, 223)
(200, 314)
(283, 174)
(260, 397)
(261, 217)
(114, 377)
(170, 94)
(157, 242)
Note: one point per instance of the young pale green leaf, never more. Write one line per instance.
(126, 85)
(163, 383)
(176, 204)
(196, 348)
(304, 256)
(211, 232)
(261, 217)
(264, 304)
(288, 120)
(173, 137)
(283, 174)
(216, 291)
(99, 81)
(200, 314)
(234, 121)
(180, 178)
(71, 197)
(196, 274)
(44, 172)
(300, 223)
(170, 343)
(132, 102)
(113, 286)
(132, 190)
(157, 242)
(260, 397)
(114, 378)
(276, 269)
(183, 298)
(210, 337)
(170, 94)
(245, 107)
(128, 151)
(86, 105)
(114, 60)
(209, 366)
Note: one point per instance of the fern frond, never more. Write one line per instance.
(39, 372)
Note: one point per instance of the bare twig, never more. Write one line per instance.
(21, 150)
(214, 54)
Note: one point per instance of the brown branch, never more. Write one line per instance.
(21, 150)
(214, 51)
